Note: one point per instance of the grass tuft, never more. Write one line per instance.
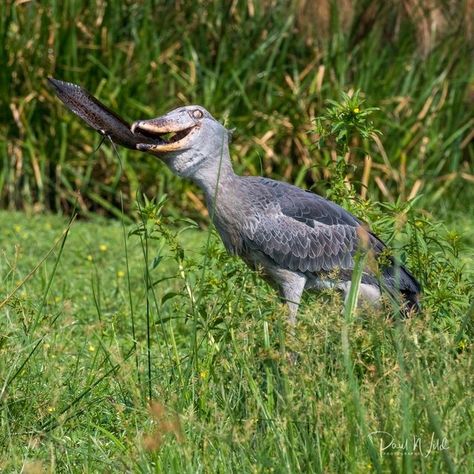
(214, 348)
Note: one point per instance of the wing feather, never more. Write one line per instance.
(297, 246)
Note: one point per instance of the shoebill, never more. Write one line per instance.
(298, 240)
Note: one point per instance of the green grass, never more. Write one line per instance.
(256, 69)
(75, 383)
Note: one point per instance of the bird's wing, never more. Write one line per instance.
(295, 245)
(299, 230)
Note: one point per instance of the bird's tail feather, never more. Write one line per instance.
(398, 280)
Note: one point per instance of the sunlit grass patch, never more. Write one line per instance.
(225, 392)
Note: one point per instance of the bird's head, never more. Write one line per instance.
(188, 138)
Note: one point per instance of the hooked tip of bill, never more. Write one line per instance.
(134, 126)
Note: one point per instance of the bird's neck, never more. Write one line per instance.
(215, 176)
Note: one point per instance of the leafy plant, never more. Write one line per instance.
(345, 132)
(344, 121)
(346, 129)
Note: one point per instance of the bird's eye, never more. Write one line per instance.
(198, 114)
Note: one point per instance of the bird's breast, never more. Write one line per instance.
(228, 231)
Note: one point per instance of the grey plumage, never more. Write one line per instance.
(299, 230)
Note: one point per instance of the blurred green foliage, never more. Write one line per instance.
(257, 66)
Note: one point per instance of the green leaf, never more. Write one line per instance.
(169, 296)
(156, 261)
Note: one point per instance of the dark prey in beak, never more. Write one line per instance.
(98, 116)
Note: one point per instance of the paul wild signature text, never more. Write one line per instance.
(414, 445)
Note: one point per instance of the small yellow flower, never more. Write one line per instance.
(57, 299)
(46, 346)
(356, 110)
(203, 374)
(103, 248)
(91, 348)
(120, 274)
(462, 344)
(51, 409)
(89, 257)
(16, 228)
